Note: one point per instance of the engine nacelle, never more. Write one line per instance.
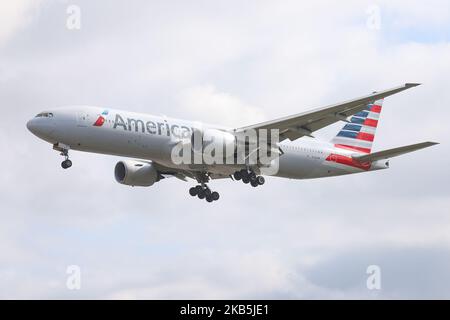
(203, 141)
(135, 173)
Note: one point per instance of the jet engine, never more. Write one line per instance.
(136, 173)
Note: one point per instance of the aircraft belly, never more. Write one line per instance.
(296, 165)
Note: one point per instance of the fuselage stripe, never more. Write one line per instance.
(348, 161)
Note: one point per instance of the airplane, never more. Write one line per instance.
(150, 140)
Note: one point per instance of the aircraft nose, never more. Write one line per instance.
(41, 128)
(31, 125)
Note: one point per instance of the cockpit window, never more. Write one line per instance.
(45, 115)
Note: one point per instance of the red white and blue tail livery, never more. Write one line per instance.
(359, 133)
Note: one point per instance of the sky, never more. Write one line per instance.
(232, 63)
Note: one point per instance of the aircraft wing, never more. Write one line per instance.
(390, 153)
(166, 172)
(304, 124)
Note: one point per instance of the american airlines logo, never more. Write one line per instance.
(101, 120)
(150, 127)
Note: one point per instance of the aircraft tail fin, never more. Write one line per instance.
(358, 134)
(390, 153)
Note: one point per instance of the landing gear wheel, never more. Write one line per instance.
(215, 196)
(193, 191)
(249, 176)
(202, 191)
(66, 164)
(260, 180)
(201, 194)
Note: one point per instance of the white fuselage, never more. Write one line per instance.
(147, 137)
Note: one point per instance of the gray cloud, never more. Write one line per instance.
(406, 272)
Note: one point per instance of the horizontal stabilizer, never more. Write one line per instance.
(390, 153)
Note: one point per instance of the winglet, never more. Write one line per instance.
(410, 85)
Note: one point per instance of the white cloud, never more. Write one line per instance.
(15, 15)
(205, 104)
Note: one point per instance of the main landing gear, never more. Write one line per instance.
(203, 192)
(249, 176)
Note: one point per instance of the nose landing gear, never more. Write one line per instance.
(66, 164)
(249, 176)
